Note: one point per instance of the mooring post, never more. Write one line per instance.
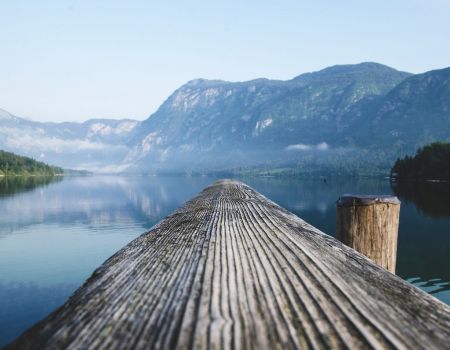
(369, 224)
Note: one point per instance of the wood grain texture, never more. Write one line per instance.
(232, 270)
(369, 224)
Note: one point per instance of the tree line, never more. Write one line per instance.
(431, 162)
(12, 164)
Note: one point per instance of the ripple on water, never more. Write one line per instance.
(437, 287)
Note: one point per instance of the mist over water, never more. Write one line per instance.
(53, 234)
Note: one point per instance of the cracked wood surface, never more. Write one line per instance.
(231, 269)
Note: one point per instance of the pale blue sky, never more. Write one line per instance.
(74, 60)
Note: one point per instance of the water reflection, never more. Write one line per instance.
(100, 203)
(430, 198)
(10, 185)
(53, 235)
(23, 304)
(424, 241)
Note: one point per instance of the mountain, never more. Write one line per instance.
(345, 119)
(416, 112)
(219, 125)
(97, 144)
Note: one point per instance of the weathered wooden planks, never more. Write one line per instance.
(230, 269)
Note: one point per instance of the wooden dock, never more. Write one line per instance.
(233, 270)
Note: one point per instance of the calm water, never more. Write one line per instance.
(54, 234)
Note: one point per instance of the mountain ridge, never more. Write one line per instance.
(95, 144)
(229, 116)
(340, 117)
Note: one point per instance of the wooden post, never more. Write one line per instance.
(369, 224)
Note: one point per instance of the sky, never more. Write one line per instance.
(71, 60)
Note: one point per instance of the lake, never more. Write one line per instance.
(54, 233)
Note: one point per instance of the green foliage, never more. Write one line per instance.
(216, 126)
(12, 164)
(431, 162)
